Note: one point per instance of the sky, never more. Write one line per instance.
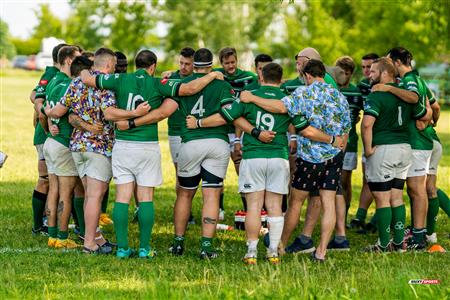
(20, 17)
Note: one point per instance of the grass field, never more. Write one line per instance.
(30, 270)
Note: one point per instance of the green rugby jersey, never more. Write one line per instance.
(291, 85)
(176, 120)
(203, 104)
(356, 104)
(392, 118)
(49, 73)
(133, 89)
(54, 92)
(240, 79)
(419, 140)
(264, 120)
(364, 86)
(252, 86)
(430, 131)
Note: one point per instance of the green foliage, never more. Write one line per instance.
(47, 24)
(7, 48)
(26, 46)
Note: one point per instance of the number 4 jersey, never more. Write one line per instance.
(203, 104)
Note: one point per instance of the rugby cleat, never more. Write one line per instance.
(66, 244)
(148, 254)
(40, 231)
(250, 259)
(432, 238)
(51, 242)
(208, 255)
(273, 258)
(124, 253)
(105, 220)
(176, 250)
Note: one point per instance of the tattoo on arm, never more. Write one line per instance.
(207, 220)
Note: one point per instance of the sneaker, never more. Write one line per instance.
(314, 258)
(398, 248)
(208, 255)
(40, 231)
(250, 259)
(106, 248)
(191, 220)
(105, 220)
(144, 253)
(273, 258)
(124, 253)
(136, 215)
(176, 250)
(3, 158)
(51, 242)
(298, 247)
(376, 248)
(67, 244)
(416, 246)
(356, 224)
(343, 246)
(221, 215)
(431, 239)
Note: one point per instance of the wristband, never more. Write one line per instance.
(255, 132)
(199, 123)
(131, 124)
(293, 137)
(333, 139)
(237, 141)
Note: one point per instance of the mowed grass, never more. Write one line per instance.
(30, 270)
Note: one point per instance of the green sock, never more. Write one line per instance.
(120, 217)
(444, 202)
(178, 240)
(361, 214)
(374, 219)
(105, 201)
(384, 217)
(398, 223)
(433, 209)
(146, 218)
(206, 244)
(53, 232)
(63, 235)
(38, 204)
(78, 203)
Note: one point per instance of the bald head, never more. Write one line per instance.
(304, 56)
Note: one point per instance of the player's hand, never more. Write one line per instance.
(166, 74)
(421, 125)
(245, 97)
(47, 109)
(191, 122)
(293, 146)
(339, 142)
(96, 128)
(142, 109)
(122, 125)
(380, 87)
(53, 129)
(266, 136)
(218, 75)
(369, 152)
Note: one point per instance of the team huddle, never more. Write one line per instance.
(289, 141)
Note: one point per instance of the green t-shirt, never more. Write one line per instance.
(240, 79)
(419, 139)
(203, 104)
(264, 120)
(392, 118)
(46, 78)
(53, 94)
(356, 104)
(364, 86)
(252, 86)
(175, 120)
(133, 89)
(290, 86)
(430, 131)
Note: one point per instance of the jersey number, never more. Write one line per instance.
(131, 103)
(400, 119)
(198, 107)
(266, 120)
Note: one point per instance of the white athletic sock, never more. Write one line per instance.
(252, 247)
(276, 225)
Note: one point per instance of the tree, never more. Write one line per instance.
(48, 24)
(7, 48)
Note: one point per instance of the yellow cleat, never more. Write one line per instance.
(273, 259)
(249, 260)
(66, 244)
(51, 242)
(105, 220)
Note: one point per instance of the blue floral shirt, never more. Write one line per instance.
(326, 109)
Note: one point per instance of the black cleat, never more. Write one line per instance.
(176, 250)
(208, 255)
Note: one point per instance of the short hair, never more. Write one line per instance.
(102, 55)
(79, 64)
(272, 73)
(315, 68)
(227, 52)
(203, 58)
(121, 59)
(145, 58)
(56, 50)
(401, 54)
(262, 58)
(66, 52)
(372, 56)
(187, 52)
(385, 64)
(346, 63)
(88, 54)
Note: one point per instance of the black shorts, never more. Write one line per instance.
(322, 176)
(339, 191)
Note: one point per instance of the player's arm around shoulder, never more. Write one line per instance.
(273, 106)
